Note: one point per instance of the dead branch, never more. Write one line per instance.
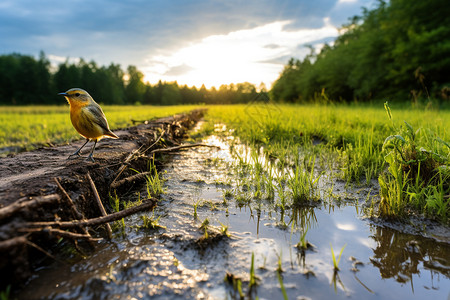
(181, 147)
(25, 202)
(129, 179)
(99, 203)
(125, 162)
(75, 211)
(156, 142)
(20, 241)
(29, 243)
(59, 233)
(12, 243)
(147, 205)
(131, 155)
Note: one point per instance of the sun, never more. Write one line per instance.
(251, 55)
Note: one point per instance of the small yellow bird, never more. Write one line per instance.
(88, 118)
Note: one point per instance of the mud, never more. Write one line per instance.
(30, 175)
(178, 261)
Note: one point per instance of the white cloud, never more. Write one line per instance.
(238, 56)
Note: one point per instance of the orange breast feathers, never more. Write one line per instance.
(89, 120)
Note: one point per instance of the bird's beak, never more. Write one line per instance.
(63, 94)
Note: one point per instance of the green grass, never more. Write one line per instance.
(407, 150)
(155, 183)
(333, 256)
(27, 127)
(418, 175)
(350, 140)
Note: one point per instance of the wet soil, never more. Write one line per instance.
(178, 260)
(27, 181)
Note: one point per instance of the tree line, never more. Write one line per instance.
(27, 80)
(398, 50)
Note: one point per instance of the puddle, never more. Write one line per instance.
(179, 263)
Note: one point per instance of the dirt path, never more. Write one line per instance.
(29, 190)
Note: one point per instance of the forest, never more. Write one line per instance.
(398, 51)
(25, 80)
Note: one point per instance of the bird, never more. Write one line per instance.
(87, 118)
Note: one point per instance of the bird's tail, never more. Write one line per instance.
(111, 134)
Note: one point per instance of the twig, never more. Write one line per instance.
(20, 241)
(147, 205)
(99, 203)
(156, 142)
(125, 162)
(60, 233)
(42, 250)
(129, 179)
(75, 211)
(131, 155)
(181, 147)
(24, 203)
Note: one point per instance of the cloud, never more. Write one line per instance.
(272, 46)
(280, 60)
(145, 33)
(178, 70)
(254, 55)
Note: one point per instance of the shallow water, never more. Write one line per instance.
(179, 263)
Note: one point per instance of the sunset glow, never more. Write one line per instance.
(254, 55)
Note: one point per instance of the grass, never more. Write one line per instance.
(357, 143)
(28, 127)
(253, 281)
(115, 202)
(289, 146)
(204, 227)
(6, 294)
(303, 243)
(418, 175)
(336, 261)
(279, 272)
(155, 184)
(151, 223)
(302, 183)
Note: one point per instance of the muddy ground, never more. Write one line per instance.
(29, 191)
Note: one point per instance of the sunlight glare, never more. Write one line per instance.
(253, 55)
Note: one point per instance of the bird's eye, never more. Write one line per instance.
(77, 94)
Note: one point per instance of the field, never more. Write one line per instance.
(412, 165)
(274, 208)
(405, 149)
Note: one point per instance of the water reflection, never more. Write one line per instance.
(399, 256)
(303, 217)
(178, 263)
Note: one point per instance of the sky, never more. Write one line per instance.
(192, 42)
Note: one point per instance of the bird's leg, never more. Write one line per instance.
(77, 153)
(92, 152)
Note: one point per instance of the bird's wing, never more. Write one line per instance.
(99, 117)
